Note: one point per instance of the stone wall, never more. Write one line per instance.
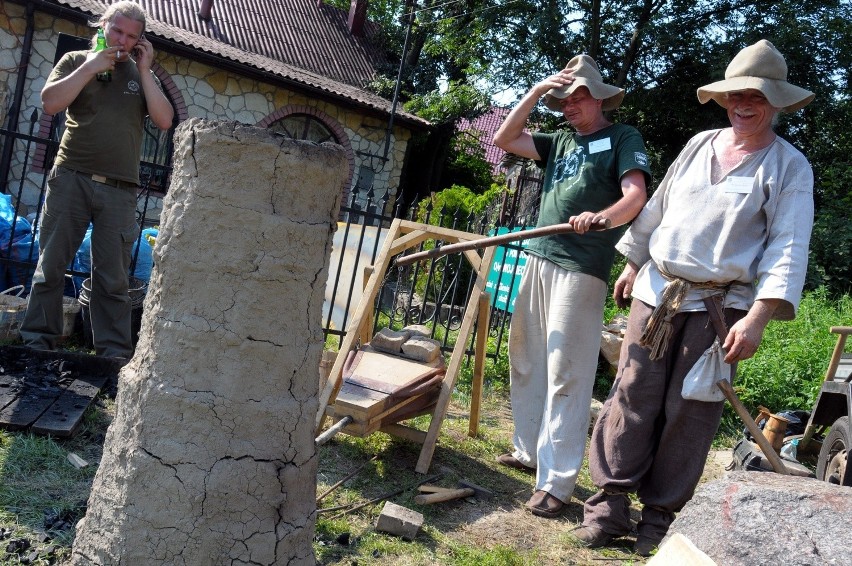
(211, 458)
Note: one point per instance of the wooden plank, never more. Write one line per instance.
(329, 392)
(438, 232)
(479, 363)
(405, 432)
(28, 406)
(447, 386)
(366, 328)
(386, 373)
(409, 241)
(51, 388)
(63, 417)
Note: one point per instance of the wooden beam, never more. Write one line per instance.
(447, 386)
(479, 363)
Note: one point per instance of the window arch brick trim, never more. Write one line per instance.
(172, 91)
(329, 122)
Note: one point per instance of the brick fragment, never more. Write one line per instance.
(399, 521)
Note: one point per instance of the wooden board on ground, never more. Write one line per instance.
(48, 392)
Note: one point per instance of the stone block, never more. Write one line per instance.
(390, 341)
(422, 349)
(611, 348)
(418, 330)
(764, 518)
(399, 521)
(679, 550)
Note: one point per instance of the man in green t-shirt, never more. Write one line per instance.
(95, 178)
(595, 174)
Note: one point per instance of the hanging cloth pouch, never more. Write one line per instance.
(700, 383)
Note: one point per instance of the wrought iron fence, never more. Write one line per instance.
(432, 294)
(24, 179)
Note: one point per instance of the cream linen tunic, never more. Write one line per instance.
(752, 228)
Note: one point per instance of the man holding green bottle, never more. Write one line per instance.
(95, 178)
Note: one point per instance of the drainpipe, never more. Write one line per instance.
(15, 108)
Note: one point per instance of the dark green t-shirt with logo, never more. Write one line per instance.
(583, 173)
(103, 126)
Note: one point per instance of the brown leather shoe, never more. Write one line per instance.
(545, 505)
(592, 537)
(512, 462)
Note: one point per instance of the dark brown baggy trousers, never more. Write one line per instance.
(648, 439)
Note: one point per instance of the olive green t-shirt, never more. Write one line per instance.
(103, 126)
(583, 173)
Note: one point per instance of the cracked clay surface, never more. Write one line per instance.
(210, 458)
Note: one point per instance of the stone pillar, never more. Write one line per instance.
(211, 458)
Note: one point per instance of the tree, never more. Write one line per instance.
(660, 51)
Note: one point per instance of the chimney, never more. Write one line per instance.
(357, 17)
(205, 10)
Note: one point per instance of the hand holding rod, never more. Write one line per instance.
(441, 251)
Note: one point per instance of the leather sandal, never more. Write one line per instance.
(545, 505)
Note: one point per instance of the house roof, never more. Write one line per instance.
(301, 42)
(484, 127)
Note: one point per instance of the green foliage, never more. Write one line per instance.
(466, 164)
(788, 368)
(458, 101)
(830, 262)
(455, 202)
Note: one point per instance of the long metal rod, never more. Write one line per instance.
(441, 251)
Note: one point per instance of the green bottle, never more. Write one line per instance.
(100, 45)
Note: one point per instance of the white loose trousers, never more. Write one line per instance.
(554, 342)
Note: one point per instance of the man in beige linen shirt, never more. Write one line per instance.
(732, 221)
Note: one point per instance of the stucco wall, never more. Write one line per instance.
(197, 90)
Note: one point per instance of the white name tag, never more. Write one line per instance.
(740, 185)
(598, 146)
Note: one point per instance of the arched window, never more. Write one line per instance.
(304, 127)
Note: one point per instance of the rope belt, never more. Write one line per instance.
(658, 330)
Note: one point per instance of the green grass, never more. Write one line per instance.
(788, 368)
(36, 479)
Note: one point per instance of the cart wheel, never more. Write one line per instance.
(831, 466)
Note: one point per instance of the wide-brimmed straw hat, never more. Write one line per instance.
(760, 67)
(586, 74)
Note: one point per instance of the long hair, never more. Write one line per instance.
(126, 8)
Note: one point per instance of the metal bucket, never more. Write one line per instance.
(137, 289)
(12, 310)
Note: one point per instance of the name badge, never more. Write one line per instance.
(598, 146)
(739, 185)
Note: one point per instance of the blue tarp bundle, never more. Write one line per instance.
(16, 243)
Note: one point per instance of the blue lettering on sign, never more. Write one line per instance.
(504, 277)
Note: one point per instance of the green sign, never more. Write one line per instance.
(504, 278)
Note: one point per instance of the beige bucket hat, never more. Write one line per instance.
(586, 74)
(761, 67)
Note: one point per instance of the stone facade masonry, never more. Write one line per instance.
(197, 90)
